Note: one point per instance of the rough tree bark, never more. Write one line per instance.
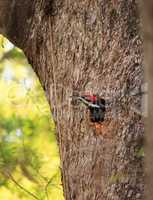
(87, 46)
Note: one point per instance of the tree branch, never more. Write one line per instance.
(21, 187)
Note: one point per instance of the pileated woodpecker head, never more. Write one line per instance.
(95, 104)
(90, 98)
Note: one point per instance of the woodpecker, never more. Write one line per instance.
(96, 106)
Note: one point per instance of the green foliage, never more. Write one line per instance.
(29, 158)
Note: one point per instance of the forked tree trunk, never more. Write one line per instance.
(89, 46)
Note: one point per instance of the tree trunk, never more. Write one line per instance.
(89, 46)
(147, 8)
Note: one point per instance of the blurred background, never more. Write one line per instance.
(29, 157)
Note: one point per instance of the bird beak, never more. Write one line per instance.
(74, 97)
